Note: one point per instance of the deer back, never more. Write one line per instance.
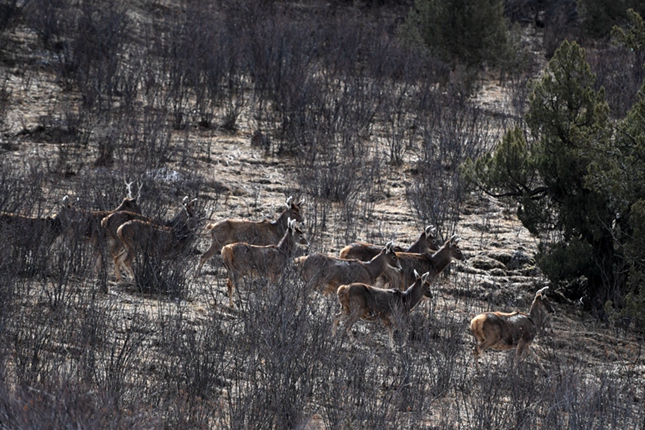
(263, 232)
(362, 251)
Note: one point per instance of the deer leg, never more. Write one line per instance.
(117, 269)
(390, 334)
(334, 326)
(230, 285)
(206, 256)
(354, 316)
(125, 259)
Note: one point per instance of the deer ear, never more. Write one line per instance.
(289, 201)
(424, 277)
(128, 186)
(454, 239)
(184, 200)
(389, 246)
(416, 274)
(541, 291)
(301, 202)
(430, 230)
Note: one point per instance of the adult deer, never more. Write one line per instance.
(158, 241)
(253, 232)
(112, 222)
(325, 273)
(433, 263)
(29, 233)
(391, 306)
(515, 330)
(366, 251)
(86, 223)
(255, 261)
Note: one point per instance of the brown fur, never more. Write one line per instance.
(366, 251)
(515, 330)
(254, 261)
(87, 223)
(325, 273)
(29, 232)
(162, 241)
(433, 263)
(113, 221)
(253, 232)
(361, 301)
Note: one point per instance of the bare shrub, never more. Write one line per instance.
(452, 132)
(620, 71)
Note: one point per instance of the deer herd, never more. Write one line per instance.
(371, 282)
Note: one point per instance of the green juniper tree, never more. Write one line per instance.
(468, 32)
(546, 175)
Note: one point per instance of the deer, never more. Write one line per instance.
(87, 222)
(253, 232)
(366, 251)
(261, 261)
(515, 330)
(433, 263)
(27, 232)
(160, 241)
(362, 301)
(326, 273)
(116, 219)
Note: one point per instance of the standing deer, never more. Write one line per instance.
(29, 233)
(253, 232)
(158, 241)
(361, 301)
(255, 261)
(112, 222)
(432, 263)
(366, 251)
(87, 223)
(325, 273)
(515, 330)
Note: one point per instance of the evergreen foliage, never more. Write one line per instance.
(599, 16)
(468, 32)
(567, 120)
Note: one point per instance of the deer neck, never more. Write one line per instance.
(420, 245)
(281, 223)
(537, 313)
(179, 219)
(377, 265)
(413, 295)
(287, 243)
(441, 259)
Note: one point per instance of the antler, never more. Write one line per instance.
(128, 186)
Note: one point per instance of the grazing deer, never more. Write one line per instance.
(253, 232)
(432, 263)
(361, 301)
(20, 231)
(159, 241)
(112, 222)
(515, 330)
(255, 261)
(366, 251)
(87, 223)
(325, 273)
